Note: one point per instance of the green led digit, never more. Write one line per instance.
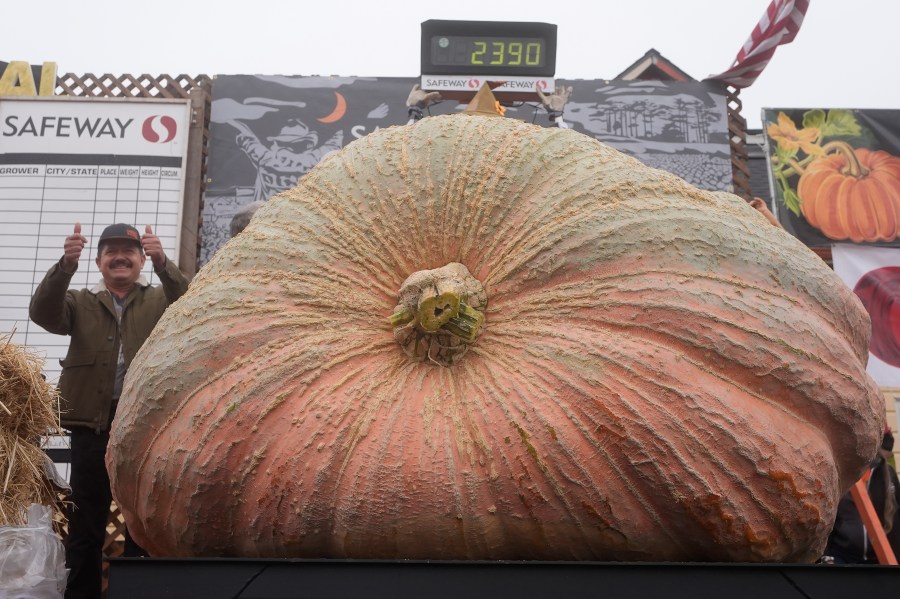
(515, 54)
(497, 52)
(478, 54)
(533, 54)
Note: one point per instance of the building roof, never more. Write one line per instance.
(654, 66)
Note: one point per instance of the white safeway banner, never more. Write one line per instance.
(873, 273)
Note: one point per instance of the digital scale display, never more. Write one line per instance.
(488, 51)
(481, 48)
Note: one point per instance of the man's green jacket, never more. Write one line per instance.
(89, 317)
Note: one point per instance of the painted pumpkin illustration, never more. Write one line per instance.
(852, 194)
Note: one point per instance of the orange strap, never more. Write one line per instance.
(873, 525)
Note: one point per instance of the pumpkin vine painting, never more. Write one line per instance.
(835, 174)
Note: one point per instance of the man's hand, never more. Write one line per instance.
(760, 205)
(556, 101)
(72, 248)
(153, 248)
(420, 98)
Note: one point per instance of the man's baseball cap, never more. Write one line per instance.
(119, 231)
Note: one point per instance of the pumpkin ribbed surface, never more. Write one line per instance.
(659, 375)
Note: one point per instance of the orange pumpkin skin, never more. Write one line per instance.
(858, 208)
(662, 375)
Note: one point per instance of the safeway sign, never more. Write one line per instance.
(471, 83)
(85, 125)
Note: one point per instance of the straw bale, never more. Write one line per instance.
(29, 411)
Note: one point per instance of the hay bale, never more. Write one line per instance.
(29, 410)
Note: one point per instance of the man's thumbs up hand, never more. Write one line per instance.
(72, 248)
(153, 248)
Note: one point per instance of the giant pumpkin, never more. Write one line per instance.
(474, 338)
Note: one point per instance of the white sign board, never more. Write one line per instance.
(96, 161)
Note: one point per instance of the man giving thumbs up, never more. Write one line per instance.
(107, 325)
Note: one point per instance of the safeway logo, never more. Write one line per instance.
(159, 129)
(473, 83)
(542, 84)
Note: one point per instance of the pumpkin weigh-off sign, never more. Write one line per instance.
(474, 338)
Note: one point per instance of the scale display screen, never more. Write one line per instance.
(488, 48)
(482, 51)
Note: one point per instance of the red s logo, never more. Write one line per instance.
(159, 129)
(473, 83)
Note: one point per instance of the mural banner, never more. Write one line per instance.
(835, 174)
(268, 131)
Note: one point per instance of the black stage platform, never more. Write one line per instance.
(160, 578)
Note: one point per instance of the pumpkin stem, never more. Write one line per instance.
(439, 314)
(792, 167)
(854, 167)
(436, 306)
(798, 168)
(401, 317)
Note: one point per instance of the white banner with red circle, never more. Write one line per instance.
(873, 273)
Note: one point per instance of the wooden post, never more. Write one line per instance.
(737, 139)
(193, 183)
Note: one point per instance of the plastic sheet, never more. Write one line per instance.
(32, 558)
